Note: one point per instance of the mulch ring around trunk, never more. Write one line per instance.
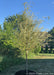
(23, 72)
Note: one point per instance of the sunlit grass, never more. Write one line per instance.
(46, 54)
(39, 56)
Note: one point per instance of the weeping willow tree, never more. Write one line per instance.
(28, 33)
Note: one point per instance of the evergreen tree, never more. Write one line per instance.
(46, 49)
(51, 39)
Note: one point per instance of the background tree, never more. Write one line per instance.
(46, 48)
(51, 39)
(42, 50)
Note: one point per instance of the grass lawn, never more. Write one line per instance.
(44, 56)
(42, 63)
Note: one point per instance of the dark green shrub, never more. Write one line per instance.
(9, 61)
(51, 49)
(42, 51)
(46, 49)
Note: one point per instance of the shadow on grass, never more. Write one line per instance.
(11, 65)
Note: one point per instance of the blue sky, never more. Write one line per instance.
(41, 8)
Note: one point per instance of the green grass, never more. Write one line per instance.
(39, 63)
(45, 54)
(39, 56)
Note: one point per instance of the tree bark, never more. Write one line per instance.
(26, 62)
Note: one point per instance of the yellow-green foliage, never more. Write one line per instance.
(22, 32)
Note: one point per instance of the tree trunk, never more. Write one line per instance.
(26, 63)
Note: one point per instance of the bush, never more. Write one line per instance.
(51, 49)
(10, 61)
(9, 50)
(37, 49)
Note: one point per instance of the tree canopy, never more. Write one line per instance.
(22, 31)
(51, 38)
